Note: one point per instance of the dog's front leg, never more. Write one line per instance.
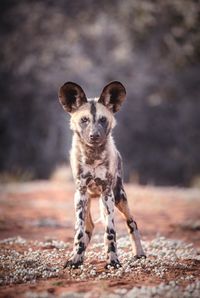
(110, 234)
(80, 241)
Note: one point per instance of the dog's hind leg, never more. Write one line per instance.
(89, 225)
(122, 204)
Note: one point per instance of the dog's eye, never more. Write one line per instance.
(102, 119)
(84, 120)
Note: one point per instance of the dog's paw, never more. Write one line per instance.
(114, 263)
(142, 256)
(72, 264)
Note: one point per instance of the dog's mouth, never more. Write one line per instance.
(95, 143)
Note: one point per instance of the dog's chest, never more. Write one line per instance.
(95, 178)
(95, 171)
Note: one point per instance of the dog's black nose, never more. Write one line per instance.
(94, 136)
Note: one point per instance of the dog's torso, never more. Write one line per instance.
(95, 168)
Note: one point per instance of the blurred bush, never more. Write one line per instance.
(153, 47)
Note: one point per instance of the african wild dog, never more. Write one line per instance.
(97, 167)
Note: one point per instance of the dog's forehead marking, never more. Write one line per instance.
(93, 110)
(90, 108)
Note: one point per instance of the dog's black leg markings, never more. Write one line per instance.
(80, 242)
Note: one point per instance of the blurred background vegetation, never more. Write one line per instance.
(152, 47)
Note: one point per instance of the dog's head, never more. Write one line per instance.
(92, 119)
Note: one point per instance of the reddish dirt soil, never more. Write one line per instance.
(158, 211)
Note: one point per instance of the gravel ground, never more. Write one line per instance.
(42, 214)
(27, 261)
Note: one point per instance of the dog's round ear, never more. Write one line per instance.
(113, 96)
(71, 97)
